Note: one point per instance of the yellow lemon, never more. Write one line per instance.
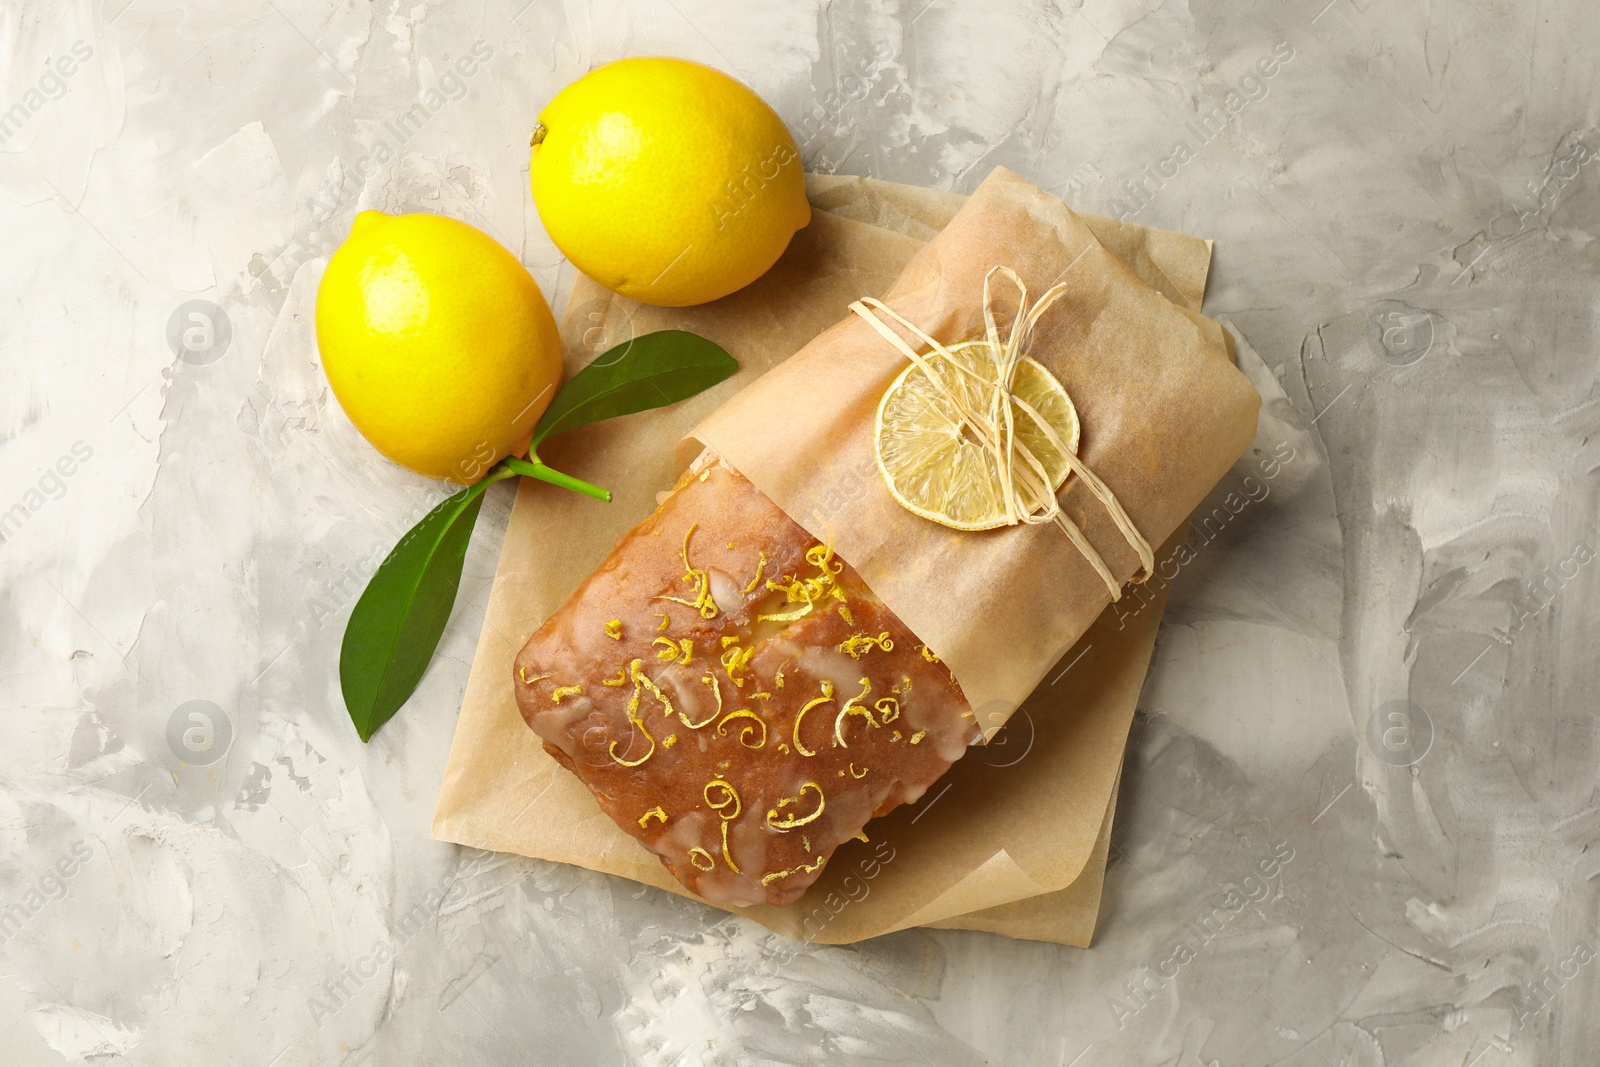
(667, 181)
(928, 455)
(437, 343)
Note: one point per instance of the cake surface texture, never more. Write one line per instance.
(735, 697)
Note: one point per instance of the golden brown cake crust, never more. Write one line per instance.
(693, 746)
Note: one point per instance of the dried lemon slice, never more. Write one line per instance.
(931, 460)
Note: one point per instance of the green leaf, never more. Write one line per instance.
(650, 371)
(397, 623)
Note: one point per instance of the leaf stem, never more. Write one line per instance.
(497, 473)
(533, 468)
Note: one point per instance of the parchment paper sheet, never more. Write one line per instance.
(1014, 840)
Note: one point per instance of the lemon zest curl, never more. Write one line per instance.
(745, 732)
(703, 601)
(732, 866)
(825, 698)
(789, 822)
(858, 645)
(730, 799)
(853, 706)
(808, 868)
(636, 719)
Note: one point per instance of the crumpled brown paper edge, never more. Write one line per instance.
(484, 801)
(1166, 261)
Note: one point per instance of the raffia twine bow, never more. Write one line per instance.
(1025, 487)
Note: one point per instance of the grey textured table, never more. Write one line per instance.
(1359, 798)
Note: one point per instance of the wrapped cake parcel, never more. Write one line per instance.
(764, 665)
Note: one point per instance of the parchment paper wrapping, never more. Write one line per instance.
(1015, 838)
(1164, 413)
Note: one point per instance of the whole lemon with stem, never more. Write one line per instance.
(666, 180)
(437, 343)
